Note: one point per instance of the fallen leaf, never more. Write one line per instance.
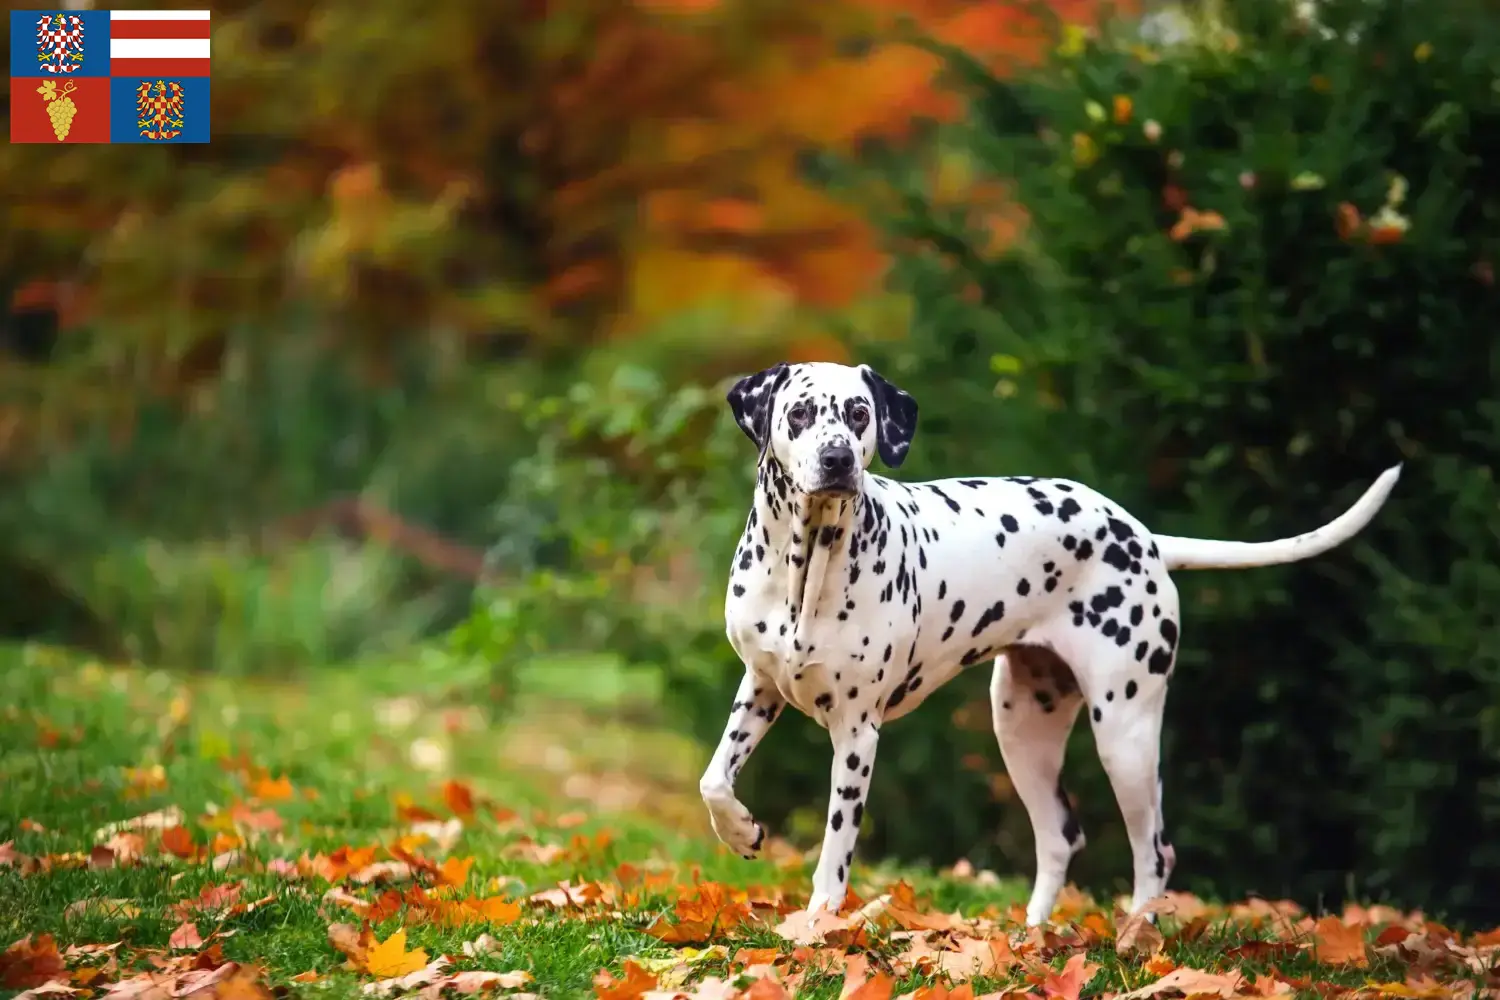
(310, 976)
(390, 958)
(1137, 935)
(352, 942)
(877, 987)
(1159, 965)
(146, 986)
(975, 957)
(1270, 986)
(30, 962)
(454, 871)
(268, 790)
(767, 988)
(804, 927)
(423, 975)
(484, 944)
(340, 897)
(478, 980)
(856, 972)
(1191, 982)
(632, 986)
(1337, 943)
(185, 937)
(459, 799)
(1067, 984)
(52, 988)
(120, 909)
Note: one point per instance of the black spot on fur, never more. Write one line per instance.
(1071, 830)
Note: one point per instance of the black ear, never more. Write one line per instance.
(750, 400)
(895, 418)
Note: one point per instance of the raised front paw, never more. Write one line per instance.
(736, 828)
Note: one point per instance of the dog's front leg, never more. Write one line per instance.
(757, 703)
(853, 760)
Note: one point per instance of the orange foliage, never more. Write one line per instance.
(565, 171)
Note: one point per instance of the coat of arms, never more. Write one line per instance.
(158, 108)
(59, 42)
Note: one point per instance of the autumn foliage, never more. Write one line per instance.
(536, 180)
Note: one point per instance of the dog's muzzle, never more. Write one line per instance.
(836, 463)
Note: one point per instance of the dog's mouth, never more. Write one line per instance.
(838, 488)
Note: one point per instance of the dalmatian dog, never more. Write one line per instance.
(852, 597)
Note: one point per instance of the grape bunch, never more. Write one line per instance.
(60, 107)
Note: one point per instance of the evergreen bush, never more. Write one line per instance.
(1258, 268)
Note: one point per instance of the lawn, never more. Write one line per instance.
(367, 833)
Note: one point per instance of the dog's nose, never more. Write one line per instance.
(837, 460)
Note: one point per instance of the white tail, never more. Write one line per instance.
(1208, 553)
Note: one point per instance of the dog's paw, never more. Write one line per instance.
(820, 901)
(737, 829)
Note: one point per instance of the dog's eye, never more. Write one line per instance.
(800, 414)
(859, 417)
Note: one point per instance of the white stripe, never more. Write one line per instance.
(158, 48)
(158, 15)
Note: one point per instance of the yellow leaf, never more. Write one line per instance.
(390, 958)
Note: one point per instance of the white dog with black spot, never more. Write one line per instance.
(852, 597)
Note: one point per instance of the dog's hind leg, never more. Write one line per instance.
(1127, 720)
(757, 703)
(1035, 699)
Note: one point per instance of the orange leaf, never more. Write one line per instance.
(454, 871)
(1336, 943)
(636, 982)
(1487, 938)
(497, 909)
(877, 987)
(460, 799)
(30, 962)
(1067, 984)
(390, 958)
(178, 841)
(272, 791)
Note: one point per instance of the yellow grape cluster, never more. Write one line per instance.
(61, 112)
(60, 107)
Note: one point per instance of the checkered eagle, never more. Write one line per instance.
(59, 43)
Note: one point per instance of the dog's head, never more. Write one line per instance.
(824, 423)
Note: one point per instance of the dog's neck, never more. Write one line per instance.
(803, 532)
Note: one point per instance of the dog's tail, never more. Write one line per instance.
(1207, 553)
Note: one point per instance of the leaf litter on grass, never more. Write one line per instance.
(449, 897)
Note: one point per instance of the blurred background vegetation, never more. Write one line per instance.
(426, 352)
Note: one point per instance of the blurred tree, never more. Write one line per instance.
(529, 179)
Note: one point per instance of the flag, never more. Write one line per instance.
(123, 76)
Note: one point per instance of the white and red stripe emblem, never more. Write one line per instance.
(158, 43)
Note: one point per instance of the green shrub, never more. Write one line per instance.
(154, 545)
(1333, 728)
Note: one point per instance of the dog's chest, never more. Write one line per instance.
(796, 625)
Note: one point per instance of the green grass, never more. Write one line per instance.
(83, 745)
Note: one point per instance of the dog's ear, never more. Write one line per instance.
(750, 400)
(895, 417)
